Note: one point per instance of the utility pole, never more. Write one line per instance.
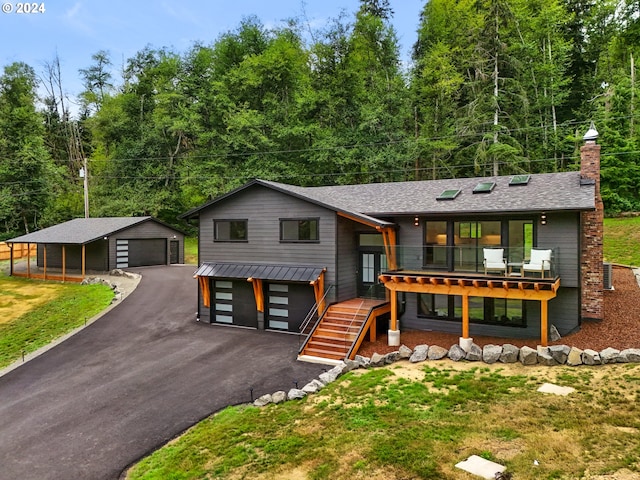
(86, 187)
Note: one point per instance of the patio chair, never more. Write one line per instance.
(494, 260)
(539, 262)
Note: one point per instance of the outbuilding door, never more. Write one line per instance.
(174, 252)
(287, 304)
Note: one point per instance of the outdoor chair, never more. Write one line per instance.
(539, 262)
(494, 260)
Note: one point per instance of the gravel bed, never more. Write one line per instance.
(620, 329)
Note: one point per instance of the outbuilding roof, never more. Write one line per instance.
(273, 272)
(80, 231)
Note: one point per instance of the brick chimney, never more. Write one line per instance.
(591, 256)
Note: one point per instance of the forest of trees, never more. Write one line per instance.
(495, 87)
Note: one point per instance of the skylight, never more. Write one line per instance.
(448, 194)
(519, 180)
(484, 187)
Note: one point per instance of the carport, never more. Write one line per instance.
(99, 244)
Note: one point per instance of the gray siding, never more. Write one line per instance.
(564, 310)
(95, 256)
(147, 230)
(562, 233)
(347, 258)
(263, 208)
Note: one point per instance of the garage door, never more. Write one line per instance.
(287, 304)
(141, 252)
(233, 303)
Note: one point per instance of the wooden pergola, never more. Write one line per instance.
(541, 290)
(44, 275)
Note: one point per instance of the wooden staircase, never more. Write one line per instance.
(341, 328)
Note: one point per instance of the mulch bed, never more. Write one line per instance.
(620, 328)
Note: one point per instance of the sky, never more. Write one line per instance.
(76, 29)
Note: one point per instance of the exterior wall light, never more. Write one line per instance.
(543, 219)
(416, 221)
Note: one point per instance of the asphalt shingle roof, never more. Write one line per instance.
(80, 231)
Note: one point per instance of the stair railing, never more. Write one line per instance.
(306, 327)
(369, 294)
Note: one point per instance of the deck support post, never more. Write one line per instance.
(465, 341)
(544, 322)
(393, 335)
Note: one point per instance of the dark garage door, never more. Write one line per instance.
(287, 304)
(233, 303)
(145, 252)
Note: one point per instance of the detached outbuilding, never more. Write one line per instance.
(102, 244)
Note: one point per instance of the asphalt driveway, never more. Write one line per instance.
(131, 381)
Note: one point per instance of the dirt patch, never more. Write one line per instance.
(16, 299)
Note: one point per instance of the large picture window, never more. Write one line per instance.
(488, 311)
(299, 230)
(230, 230)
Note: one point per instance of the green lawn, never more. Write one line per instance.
(191, 250)
(622, 240)
(394, 423)
(43, 311)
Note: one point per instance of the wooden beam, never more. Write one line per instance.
(461, 282)
(447, 282)
(10, 245)
(476, 284)
(44, 256)
(359, 220)
(434, 281)
(204, 288)
(394, 312)
(544, 323)
(84, 259)
(465, 316)
(258, 293)
(64, 262)
(29, 258)
(409, 279)
(373, 329)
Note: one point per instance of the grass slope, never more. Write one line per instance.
(622, 240)
(394, 423)
(68, 307)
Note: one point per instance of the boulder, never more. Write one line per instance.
(509, 353)
(544, 357)
(377, 360)
(528, 356)
(350, 365)
(313, 386)
(391, 357)
(554, 335)
(279, 396)
(630, 355)
(405, 352)
(333, 374)
(363, 361)
(474, 354)
(296, 394)
(263, 400)
(560, 353)
(575, 357)
(591, 357)
(456, 353)
(419, 354)
(436, 352)
(609, 355)
(491, 353)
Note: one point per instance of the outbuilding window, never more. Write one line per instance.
(299, 230)
(230, 230)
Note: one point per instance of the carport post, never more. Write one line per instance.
(64, 261)
(29, 259)
(83, 259)
(44, 256)
(10, 259)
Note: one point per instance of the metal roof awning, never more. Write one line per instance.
(281, 273)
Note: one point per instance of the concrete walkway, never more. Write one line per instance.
(133, 380)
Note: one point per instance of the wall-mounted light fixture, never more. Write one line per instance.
(416, 221)
(543, 219)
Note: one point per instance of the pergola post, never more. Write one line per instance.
(544, 322)
(83, 258)
(29, 259)
(44, 256)
(64, 261)
(394, 332)
(10, 258)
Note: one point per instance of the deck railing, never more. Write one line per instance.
(471, 259)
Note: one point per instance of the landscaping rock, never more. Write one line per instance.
(544, 357)
(575, 357)
(263, 400)
(456, 353)
(591, 357)
(528, 356)
(350, 365)
(279, 396)
(609, 355)
(474, 354)
(630, 355)
(509, 353)
(554, 335)
(419, 354)
(391, 357)
(560, 353)
(405, 352)
(331, 375)
(363, 361)
(436, 352)
(313, 386)
(296, 394)
(377, 360)
(491, 353)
